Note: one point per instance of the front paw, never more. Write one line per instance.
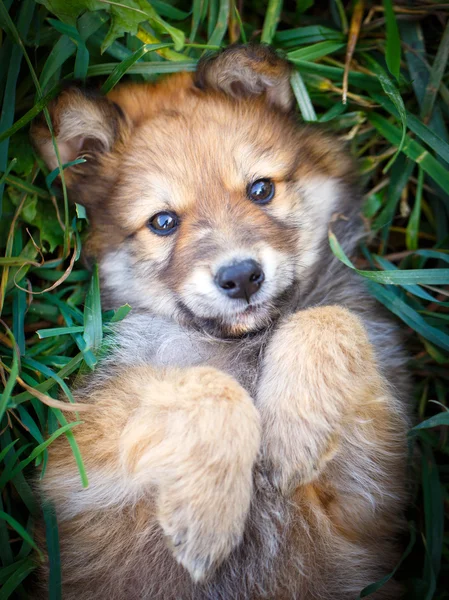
(318, 369)
(201, 533)
(196, 443)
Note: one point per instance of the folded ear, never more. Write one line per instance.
(250, 70)
(86, 125)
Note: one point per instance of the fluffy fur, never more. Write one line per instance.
(234, 450)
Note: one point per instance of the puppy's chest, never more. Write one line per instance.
(145, 339)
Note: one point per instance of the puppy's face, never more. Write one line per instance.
(205, 207)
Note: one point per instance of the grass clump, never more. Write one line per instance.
(386, 60)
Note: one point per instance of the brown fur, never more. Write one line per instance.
(232, 453)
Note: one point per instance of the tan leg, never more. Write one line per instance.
(319, 378)
(188, 437)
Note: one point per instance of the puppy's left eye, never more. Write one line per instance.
(163, 223)
(261, 191)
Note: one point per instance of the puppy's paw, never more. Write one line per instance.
(195, 441)
(203, 507)
(201, 534)
(318, 369)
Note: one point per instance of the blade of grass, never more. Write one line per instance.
(221, 25)
(333, 112)
(354, 30)
(53, 549)
(122, 68)
(314, 52)
(405, 277)
(391, 300)
(367, 82)
(199, 8)
(47, 372)
(432, 254)
(414, 124)
(6, 395)
(240, 25)
(93, 325)
(271, 21)
(73, 445)
(212, 16)
(26, 548)
(307, 35)
(413, 222)
(38, 450)
(6, 554)
(143, 68)
(400, 175)
(18, 303)
(52, 176)
(436, 76)
(167, 10)
(29, 422)
(5, 56)
(411, 149)
(12, 31)
(408, 315)
(5, 175)
(63, 50)
(393, 93)
(82, 53)
(67, 370)
(30, 115)
(302, 97)
(393, 50)
(121, 313)
(148, 38)
(22, 488)
(342, 15)
(24, 18)
(21, 531)
(416, 290)
(415, 55)
(25, 186)
(436, 421)
(6, 572)
(434, 515)
(22, 571)
(56, 331)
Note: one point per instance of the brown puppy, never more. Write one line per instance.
(248, 434)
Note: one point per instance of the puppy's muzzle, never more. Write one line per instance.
(240, 280)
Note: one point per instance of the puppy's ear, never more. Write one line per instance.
(250, 70)
(86, 125)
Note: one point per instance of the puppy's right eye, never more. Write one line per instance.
(164, 223)
(261, 191)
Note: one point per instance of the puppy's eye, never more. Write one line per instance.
(261, 191)
(164, 223)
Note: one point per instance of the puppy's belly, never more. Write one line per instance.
(162, 343)
(287, 554)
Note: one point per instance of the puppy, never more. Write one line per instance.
(247, 433)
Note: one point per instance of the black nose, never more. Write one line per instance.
(240, 280)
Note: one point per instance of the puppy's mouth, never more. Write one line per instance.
(252, 310)
(250, 318)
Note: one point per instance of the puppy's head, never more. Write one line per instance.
(207, 202)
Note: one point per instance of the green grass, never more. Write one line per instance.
(395, 123)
